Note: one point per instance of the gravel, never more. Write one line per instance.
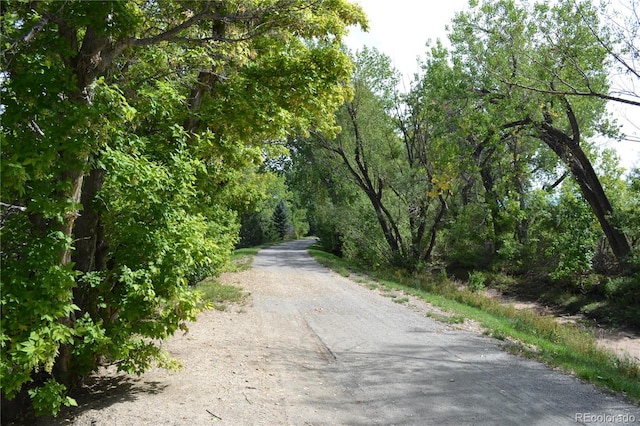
(310, 347)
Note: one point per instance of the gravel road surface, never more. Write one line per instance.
(313, 348)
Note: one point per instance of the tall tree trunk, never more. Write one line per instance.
(90, 255)
(417, 225)
(388, 226)
(434, 227)
(569, 150)
(373, 188)
(482, 155)
(61, 369)
(206, 79)
(86, 226)
(88, 62)
(521, 229)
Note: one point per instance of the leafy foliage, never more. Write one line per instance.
(131, 140)
(258, 225)
(142, 141)
(534, 73)
(394, 175)
(489, 162)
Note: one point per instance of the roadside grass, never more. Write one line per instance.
(572, 349)
(330, 260)
(216, 295)
(241, 259)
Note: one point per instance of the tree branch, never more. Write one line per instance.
(618, 58)
(26, 39)
(206, 13)
(575, 93)
(575, 127)
(167, 35)
(554, 185)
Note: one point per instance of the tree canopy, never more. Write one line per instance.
(489, 157)
(131, 132)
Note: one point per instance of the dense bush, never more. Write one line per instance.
(128, 155)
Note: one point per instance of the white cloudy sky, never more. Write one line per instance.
(401, 28)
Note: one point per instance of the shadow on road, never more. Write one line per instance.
(292, 254)
(100, 392)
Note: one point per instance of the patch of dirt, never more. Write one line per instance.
(228, 376)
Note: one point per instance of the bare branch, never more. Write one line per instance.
(554, 185)
(26, 39)
(12, 207)
(574, 93)
(618, 58)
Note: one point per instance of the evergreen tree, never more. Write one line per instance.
(282, 220)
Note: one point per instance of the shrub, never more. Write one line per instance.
(476, 281)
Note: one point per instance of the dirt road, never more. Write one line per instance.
(313, 348)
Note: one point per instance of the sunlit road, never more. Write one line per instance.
(384, 363)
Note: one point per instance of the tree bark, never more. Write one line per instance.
(570, 152)
(86, 226)
(87, 63)
(482, 155)
(389, 228)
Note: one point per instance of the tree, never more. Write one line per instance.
(325, 194)
(526, 68)
(366, 140)
(258, 220)
(426, 120)
(127, 130)
(282, 220)
(393, 160)
(480, 171)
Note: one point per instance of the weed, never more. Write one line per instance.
(447, 319)
(476, 281)
(218, 295)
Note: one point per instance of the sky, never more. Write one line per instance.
(401, 29)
